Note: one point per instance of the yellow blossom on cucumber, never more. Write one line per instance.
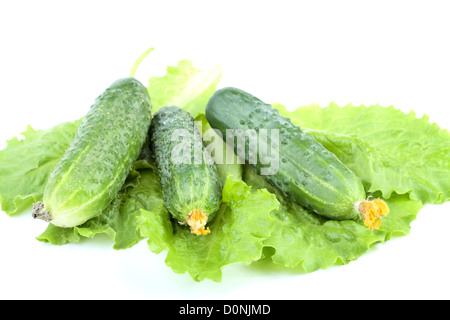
(372, 212)
(197, 221)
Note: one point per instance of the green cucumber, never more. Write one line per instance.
(191, 186)
(307, 173)
(104, 150)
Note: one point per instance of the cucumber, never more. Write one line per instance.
(104, 150)
(191, 186)
(307, 173)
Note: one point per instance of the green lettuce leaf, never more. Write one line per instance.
(389, 150)
(307, 241)
(219, 151)
(311, 246)
(237, 233)
(184, 86)
(25, 164)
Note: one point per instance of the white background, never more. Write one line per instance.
(57, 56)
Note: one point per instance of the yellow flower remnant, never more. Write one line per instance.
(372, 211)
(197, 221)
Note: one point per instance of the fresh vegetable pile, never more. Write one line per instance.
(348, 177)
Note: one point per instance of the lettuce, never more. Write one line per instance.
(216, 144)
(184, 86)
(26, 163)
(300, 243)
(308, 241)
(389, 150)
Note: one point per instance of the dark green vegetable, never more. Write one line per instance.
(191, 186)
(98, 161)
(307, 172)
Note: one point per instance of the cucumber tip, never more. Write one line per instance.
(40, 213)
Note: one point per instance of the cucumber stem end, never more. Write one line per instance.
(40, 213)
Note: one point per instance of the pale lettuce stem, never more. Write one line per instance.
(138, 62)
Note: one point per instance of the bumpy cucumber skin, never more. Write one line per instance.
(308, 173)
(185, 186)
(103, 152)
